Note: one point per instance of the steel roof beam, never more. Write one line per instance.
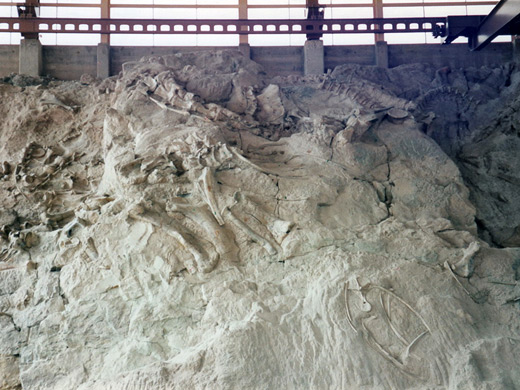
(501, 20)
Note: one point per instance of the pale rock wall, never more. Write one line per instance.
(194, 224)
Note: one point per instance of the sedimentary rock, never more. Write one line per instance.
(194, 224)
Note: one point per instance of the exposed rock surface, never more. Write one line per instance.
(473, 114)
(192, 224)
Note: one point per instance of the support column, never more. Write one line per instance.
(313, 57)
(381, 49)
(105, 14)
(243, 15)
(378, 14)
(245, 49)
(103, 48)
(30, 57)
(103, 60)
(516, 48)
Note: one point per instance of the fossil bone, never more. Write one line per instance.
(90, 249)
(365, 306)
(390, 323)
(51, 99)
(254, 236)
(371, 341)
(142, 214)
(347, 306)
(411, 345)
(373, 286)
(207, 185)
(464, 267)
(448, 267)
(249, 163)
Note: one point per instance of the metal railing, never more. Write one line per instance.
(210, 26)
(243, 24)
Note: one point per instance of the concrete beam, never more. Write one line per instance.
(313, 58)
(245, 49)
(103, 60)
(381, 49)
(30, 56)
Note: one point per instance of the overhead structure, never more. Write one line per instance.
(504, 19)
(314, 12)
(27, 11)
(225, 26)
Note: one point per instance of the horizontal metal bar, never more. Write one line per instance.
(260, 6)
(209, 6)
(60, 5)
(302, 6)
(384, 5)
(211, 26)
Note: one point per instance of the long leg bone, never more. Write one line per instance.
(246, 229)
(168, 107)
(156, 221)
(249, 163)
(222, 238)
(207, 187)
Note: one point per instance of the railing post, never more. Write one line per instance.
(381, 47)
(378, 14)
(243, 43)
(105, 14)
(103, 48)
(242, 14)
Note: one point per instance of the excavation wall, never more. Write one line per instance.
(193, 223)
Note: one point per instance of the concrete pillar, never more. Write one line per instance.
(516, 48)
(313, 57)
(245, 49)
(103, 60)
(381, 49)
(30, 57)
